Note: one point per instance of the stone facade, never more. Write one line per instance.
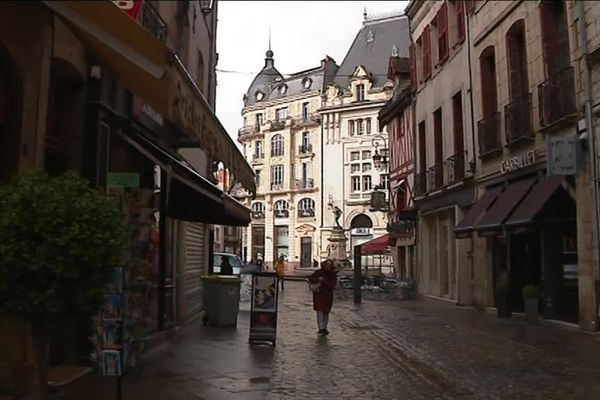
(281, 140)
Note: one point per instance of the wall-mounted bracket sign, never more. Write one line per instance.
(521, 161)
(564, 155)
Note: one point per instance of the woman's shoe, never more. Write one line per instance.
(325, 331)
(321, 332)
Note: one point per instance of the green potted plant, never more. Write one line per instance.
(531, 297)
(501, 293)
(59, 239)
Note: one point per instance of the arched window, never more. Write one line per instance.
(306, 208)
(280, 209)
(258, 210)
(277, 146)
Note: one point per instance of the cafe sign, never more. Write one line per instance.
(514, 163)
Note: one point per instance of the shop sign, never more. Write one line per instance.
(361, 231)
(563, 155)
(129, 7)
(263, 311)
(514, 163)
(123, 180)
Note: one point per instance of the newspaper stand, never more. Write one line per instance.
(263, 309)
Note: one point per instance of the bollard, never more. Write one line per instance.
(357, 275)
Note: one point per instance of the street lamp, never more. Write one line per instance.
(380, 161)
(206, 6)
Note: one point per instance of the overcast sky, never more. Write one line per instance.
(302, 33)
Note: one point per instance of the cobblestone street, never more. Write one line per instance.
(424, 349)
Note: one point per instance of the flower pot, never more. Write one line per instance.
(531, 309)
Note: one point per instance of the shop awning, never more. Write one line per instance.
(535, 200)
(466, 225)
(375, 246)
(152, 71)
(497, 214)
(190, 196)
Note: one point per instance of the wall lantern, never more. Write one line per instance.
(378, 200)
(206, 6)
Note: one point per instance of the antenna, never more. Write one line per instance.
(269, 37)
(365, 13)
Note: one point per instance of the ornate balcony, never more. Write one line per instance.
(421, 182)
(152, 22)
(277, 125)
(557, 97)
(435, 177)
(276, 186)
(517, 120)
(308, 183)
(258, 215)
(305, 150)
(454, 168)
(248, 130)
(488, 132)
(258, 158)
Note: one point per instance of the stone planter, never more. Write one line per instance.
(531, 309)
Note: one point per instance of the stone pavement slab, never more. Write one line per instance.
(420, 349)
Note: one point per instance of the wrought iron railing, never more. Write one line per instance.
(276, 186)
(517, 119)
(306, 213)
(421, 182)
(307, 183)
(281, 213)
(454, 168)
(305, 149)
(151, 20)
(277, 125)
(557, 97)
(258, 214)
(246, 130)
(258, 157)
(488, 133)
(435, 177)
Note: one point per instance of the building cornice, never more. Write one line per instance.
(352, 107)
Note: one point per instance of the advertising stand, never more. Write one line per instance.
(263, 310)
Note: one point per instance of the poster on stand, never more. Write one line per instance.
(111, 363)
(263, 310)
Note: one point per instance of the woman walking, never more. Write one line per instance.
(322, 283)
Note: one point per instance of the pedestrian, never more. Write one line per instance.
(280, 270)
(226, 268)
(259, 264)
(322, 282)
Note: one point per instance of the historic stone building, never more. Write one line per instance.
(351, 139)
(444, 145)
(281, 138)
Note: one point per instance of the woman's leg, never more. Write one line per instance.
(320, 320)
(325, 320)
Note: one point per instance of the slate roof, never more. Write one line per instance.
(375, 55)
(269, 81)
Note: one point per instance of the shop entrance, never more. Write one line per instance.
(525, 266)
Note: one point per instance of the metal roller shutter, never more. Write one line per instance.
(195, 264)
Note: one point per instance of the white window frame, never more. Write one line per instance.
(277, 175)
(281, 114)
(355, 183)
(277, 145)
(367, 182)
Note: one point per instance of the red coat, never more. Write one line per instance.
(323, 299)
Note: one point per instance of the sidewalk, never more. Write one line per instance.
(419, 349)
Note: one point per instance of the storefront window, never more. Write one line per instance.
(281, 242)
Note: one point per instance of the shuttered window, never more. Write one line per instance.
(426, 52)
(555, 39)
(413, 67)
(487, 63)
(517, 61)
(459, 9)
(442, 25)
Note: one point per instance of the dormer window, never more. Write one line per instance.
(307, 83)
(283, 89)
(259, 95)
(370, 36)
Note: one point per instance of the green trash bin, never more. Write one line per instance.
(221, 297)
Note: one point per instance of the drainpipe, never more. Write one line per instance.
(586, 99)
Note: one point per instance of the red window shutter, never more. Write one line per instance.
(413, 67)
(442, 24)
(549, 38)
(460, 20)
(517, 84)
(488, 82)
(426, 53)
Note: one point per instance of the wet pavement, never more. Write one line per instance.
(393, 349)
